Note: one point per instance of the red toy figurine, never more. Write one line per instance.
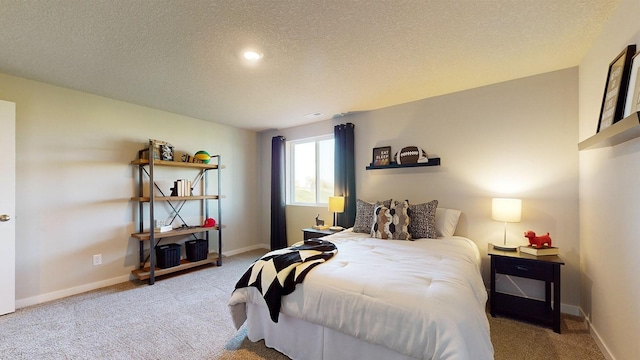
(537, 241)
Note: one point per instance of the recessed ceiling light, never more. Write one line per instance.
(252, 55)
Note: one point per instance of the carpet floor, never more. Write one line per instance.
(185, 316)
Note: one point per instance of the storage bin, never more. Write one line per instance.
(197, 249)
(168, 255)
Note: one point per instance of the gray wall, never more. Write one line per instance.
(610, 203)
(515, 139)
(74, 184)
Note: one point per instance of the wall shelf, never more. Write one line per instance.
(621, 131)
(432, 162)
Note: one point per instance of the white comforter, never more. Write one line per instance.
(422, 298)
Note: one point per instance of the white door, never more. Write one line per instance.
(7, 207)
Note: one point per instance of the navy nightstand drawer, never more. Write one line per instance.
(527, 269)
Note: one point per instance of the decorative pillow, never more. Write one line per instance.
(382, 223)
(446, 221)
(423, 220)
(401, 221)
(364, 217)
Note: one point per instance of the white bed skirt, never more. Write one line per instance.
(302, 340)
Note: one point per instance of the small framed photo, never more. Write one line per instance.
(615, 90)
(381, 156)
(632, 104)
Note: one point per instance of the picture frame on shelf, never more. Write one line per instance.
(615, 90)
(632, 103)
(381, 156)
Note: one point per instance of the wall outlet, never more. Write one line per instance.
(97, 259)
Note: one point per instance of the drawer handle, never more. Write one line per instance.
(522, 268)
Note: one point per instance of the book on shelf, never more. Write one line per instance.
(543, 251)
(163, 228)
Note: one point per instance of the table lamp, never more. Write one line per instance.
(507, 210)
(336, 205)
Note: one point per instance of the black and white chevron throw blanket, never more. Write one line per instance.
(276, 273)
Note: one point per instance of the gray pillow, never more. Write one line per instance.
(423, 220)
(364, 217)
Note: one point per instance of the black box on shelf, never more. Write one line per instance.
(197, 249)
(168, 255)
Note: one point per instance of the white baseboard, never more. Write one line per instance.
(596, 337)
(245, 249)
(55, 295)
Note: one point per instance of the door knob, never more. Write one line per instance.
(5, 217)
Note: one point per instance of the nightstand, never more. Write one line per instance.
(311, 233)
(543, 268)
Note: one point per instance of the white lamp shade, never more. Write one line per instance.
(507, 210)
(336, 204)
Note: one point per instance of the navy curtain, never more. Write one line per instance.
(278, 219)
(345, 172)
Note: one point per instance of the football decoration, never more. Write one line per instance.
(202, 156)
(411, 155)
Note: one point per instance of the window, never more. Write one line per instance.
(311, 171)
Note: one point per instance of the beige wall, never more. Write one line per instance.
(610, 203)
(517, 138)
(74, 184)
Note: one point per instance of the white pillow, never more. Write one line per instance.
(446, 221)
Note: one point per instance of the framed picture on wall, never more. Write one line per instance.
(615, 89)
(381, 156)
(632, 104)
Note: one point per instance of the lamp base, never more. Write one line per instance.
(505, 247)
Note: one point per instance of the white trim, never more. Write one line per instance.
(55, 295)
(245, 249)
(597, 338)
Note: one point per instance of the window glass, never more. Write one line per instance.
(311, 171)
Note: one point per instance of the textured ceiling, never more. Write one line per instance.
(329, 56)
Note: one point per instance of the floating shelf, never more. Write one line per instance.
(621, 131)
(432, 162)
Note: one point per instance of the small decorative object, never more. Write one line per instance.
(411, 155)
(538, 241)
(381, 156)
(209, 222)
(162, 150)
(615, 91)
(632, 104)
(202, 156)
(186, 158)
(320, 224)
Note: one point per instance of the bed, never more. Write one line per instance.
(379, 299)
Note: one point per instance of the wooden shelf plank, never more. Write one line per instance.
(145, 273)
(432, 162)
(623, 130)
(177, 232)
(175, 164)
(176, 198)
